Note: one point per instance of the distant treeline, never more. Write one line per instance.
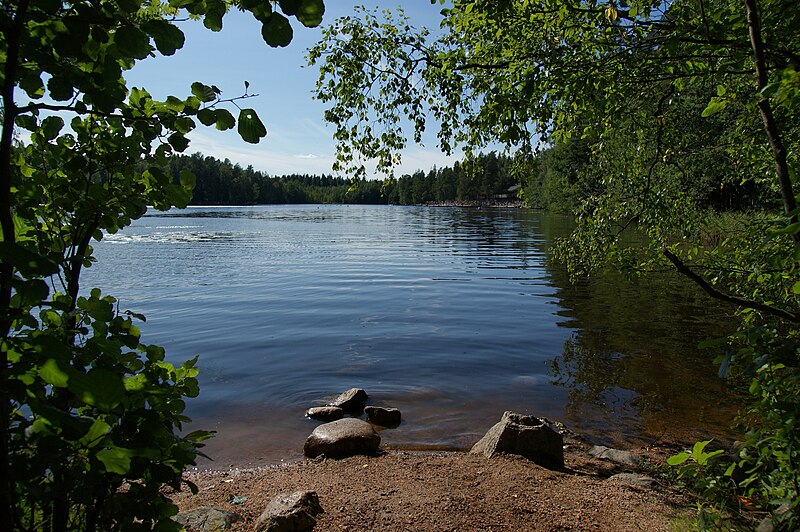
(559, 178)
(226, 183)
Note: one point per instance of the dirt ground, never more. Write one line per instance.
(450, 491)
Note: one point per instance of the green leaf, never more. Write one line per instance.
(770, 90)
(132, 42)
(168, 38)
(796, 287)
(251, 129)
(262, 11)
(277, 32)
(678, 459)
(52, 374)
(129, 6)
(30, 293)
(136, 383)
(31, 83)
(290, 7)
(207, 116)
(697, 450)
(51, 127)
(116, 459)
(27, 262)
(28, 122)
(311, 12)
(184, 124)
(94, 435)
(199, 435)
(100, 388)
(714, 106)
(790, 229)
(225, 120)
(203, 92)
(178, 142)
(60, 89)
(187, 179)
(215, 10)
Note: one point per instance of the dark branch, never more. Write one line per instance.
(722, 296)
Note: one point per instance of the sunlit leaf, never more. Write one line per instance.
(203, 92)
(225, 120)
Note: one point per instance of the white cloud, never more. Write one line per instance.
(277, 158)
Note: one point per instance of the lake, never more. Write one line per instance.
(452, 315)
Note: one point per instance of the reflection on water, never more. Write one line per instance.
(634, 354)
(452, 315)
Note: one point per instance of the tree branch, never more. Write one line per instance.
(722, 296)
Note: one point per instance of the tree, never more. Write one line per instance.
(86, 406)
(702, 93)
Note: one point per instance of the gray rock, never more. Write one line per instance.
(776, 520)
(615, 455)
(290, 512)
(205, 519)
(352, 401)
(526, 436)
(385, 417)
(633, 479)
(325, 413)
(342, 438)
(766, 525)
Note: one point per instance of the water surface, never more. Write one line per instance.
(452, 315)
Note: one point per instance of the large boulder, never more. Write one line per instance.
(205, 519)
(385, 417)
(526, 436)
(352, 401)
(342, 438)
(290, 512)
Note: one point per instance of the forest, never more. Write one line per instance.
(557, 178)
(224, 183)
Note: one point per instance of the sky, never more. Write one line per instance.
(298, 140)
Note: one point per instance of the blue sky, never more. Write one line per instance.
(298, 139)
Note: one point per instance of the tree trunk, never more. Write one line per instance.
(770, 124)
(12, 39)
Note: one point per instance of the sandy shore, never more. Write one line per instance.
(451, 491)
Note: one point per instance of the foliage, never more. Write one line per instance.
(686, 107)
(91, 415)
(694, 463)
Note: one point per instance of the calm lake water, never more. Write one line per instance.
(452, 315)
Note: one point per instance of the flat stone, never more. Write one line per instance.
(290, 512)
(633, 479)
(615, 455)
(205, 519)
(342, 438)
(325, 413)
(526, 436)
(352, 401)
(385, 417)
